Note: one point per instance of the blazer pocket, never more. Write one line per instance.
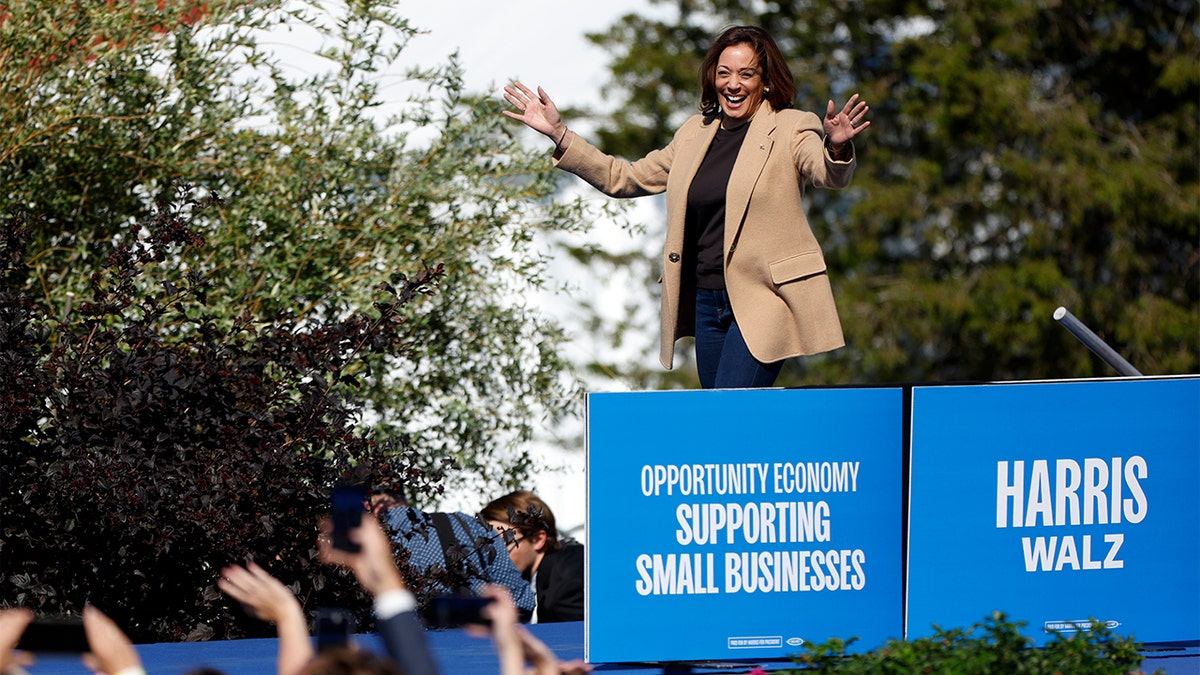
(797, 267)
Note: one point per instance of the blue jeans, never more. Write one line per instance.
(722, 358)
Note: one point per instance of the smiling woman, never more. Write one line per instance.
(743, 68)
(740, 84)
(742, 271)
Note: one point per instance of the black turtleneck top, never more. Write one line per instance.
(705, 224)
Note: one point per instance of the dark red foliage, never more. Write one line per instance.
(144, 444)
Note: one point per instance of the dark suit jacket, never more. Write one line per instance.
(560, 585)
(404, 639)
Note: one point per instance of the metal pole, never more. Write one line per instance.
(1094, 343)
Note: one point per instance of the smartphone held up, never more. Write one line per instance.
(334, 628)
(54, 635)
(347, 506)
(453, 611)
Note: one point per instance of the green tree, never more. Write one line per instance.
(1023, 156)
(335, 169)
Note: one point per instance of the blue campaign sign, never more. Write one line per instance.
(726, 525)
(1057, 503)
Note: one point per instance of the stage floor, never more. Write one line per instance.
(460, 654)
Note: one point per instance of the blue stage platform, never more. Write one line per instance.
(460, 654)
(1110, 461)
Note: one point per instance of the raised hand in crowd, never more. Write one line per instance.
(574, 667)
(395, 607)
(374, 565)
(502, 614)
(265, 597)
(515, 645)
(110, 650)
(12, 624)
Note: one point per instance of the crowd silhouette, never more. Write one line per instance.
(400, 627)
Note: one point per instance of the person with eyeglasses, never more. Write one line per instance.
(552, 565)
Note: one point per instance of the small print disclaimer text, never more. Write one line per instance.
(756, 642)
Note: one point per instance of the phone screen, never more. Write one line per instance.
(63, 635)
(451, 611)
(347, 504)
(334, 627)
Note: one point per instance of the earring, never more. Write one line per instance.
(766, 90)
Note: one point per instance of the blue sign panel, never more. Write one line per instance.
(727, 525)
(1057, 503)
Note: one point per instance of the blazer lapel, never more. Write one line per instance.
(692, 153)
(689, 155)
(756, 148)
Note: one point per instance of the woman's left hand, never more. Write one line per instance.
(842, 127)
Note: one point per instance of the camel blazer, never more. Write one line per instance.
(774, 269)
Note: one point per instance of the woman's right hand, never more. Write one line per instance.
(537, 111)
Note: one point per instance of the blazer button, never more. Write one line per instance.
(673, 257)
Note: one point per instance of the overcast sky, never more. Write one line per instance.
(540, 41)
